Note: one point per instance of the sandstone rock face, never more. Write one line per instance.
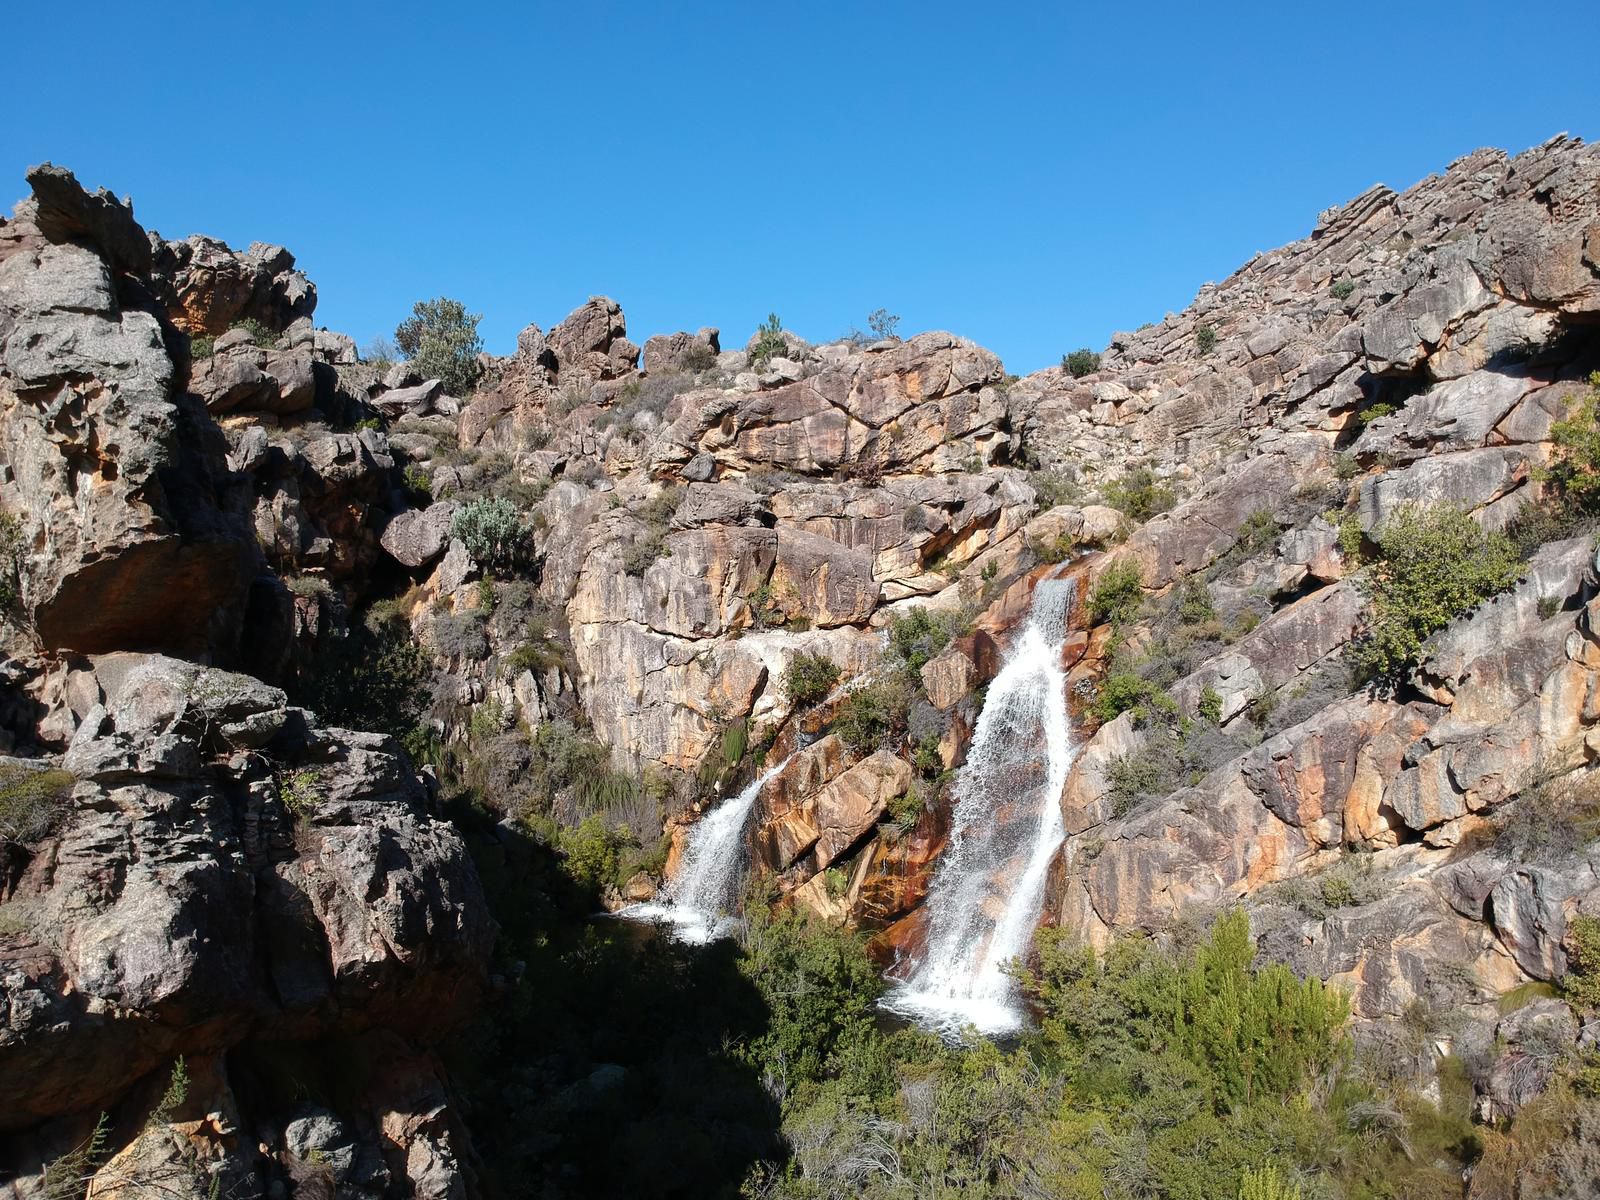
(231, 878)
(113, 475)
(208, 288)
(1445, 324)
(195, 900)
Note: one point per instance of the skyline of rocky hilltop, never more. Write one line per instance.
(334, 702)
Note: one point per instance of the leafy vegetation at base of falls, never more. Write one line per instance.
(1183, 1069)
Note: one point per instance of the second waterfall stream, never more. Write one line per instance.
(988, 887)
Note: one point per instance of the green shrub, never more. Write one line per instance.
(1574, 470)
(1118, 593)
(769, 342)
(1267, 1183)
(1433, 565)
(592, 852)
(1374, 412)
(1259, 531)
(1081, 362)
(1195, 605)
(491, 529)
(1581, 984)
(1134, 777)
(418, 482)
(1342, 289)
(643, 552)
(1125, 690)
(259, 333)
(1139, 494)
(1345, 466)
(372, 678)
(441, 340)
(920, 633)
(904, 810)
(1349, 883)
(32, 802)
(298, 790)
(537, 654)
(1057, 550)
(1209, 706)
(1205, 338)
(809, 678)
(875, 714)
(201, 346)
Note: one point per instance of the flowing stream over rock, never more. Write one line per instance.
(989, 885)
(701, 898)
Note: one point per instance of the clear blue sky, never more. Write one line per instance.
(1033, 176)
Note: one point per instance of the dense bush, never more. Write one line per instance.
(1205, 338)
(1259, 531)
(809, 678)
(922, 632)
(1139, 494)
(491, 529)
(440, 337)
(1581, 984)
(876, 713)
(1574, 470)
(1081, 362)
(1343, 289)
(1125, 690)
(1118, 593)
(374, 677)
(1432, 565)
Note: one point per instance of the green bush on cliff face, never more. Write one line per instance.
(1117, 594)
(1433, 565)
(876, 713)
(809, 678)
(1574, 470)
(1139, 494)
(1080, 362)
(1581, 984)
(921, 633)
(440, 338)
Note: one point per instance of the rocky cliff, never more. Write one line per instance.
(813, 554)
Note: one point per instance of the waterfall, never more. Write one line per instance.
(988, 887)
(700, 898)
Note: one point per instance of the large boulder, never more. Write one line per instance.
(113, 478)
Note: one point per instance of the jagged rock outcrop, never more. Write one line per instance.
(112, 474)
(225, 873)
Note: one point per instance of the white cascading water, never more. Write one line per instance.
(700, 899)
(988, 888)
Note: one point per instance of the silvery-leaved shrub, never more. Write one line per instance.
(491, 529)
